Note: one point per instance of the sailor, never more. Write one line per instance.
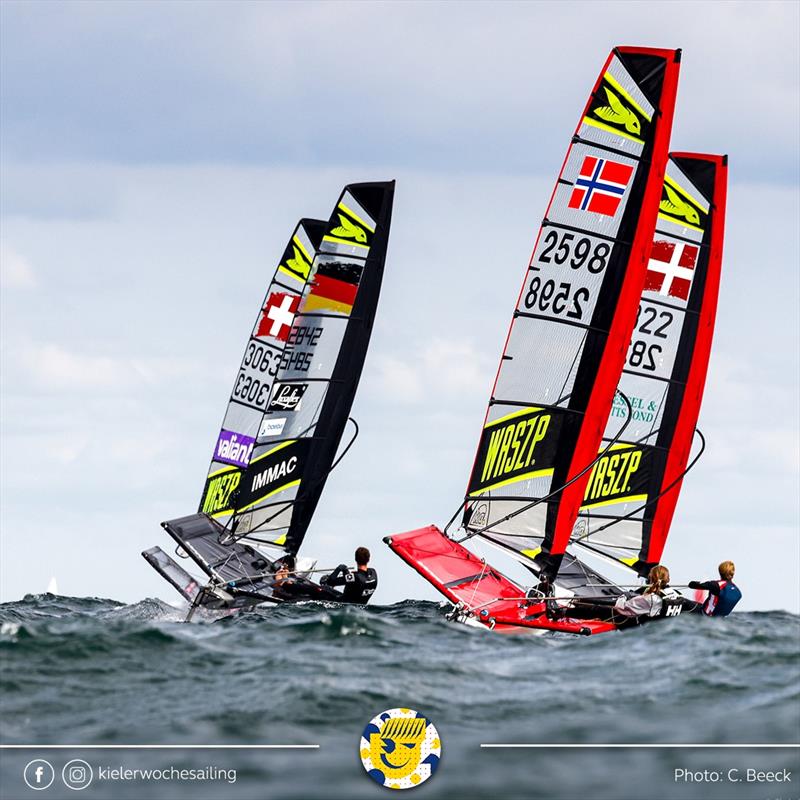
(288, 585)
(359, 584)
(651, 601)
(723, 594)
(656, 599)
(284, 570)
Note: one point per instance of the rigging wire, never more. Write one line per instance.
(228, 538)
(349, 445)
(668, 489)
(452, 519)
(572, 480)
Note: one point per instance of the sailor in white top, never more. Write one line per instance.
(650, 603)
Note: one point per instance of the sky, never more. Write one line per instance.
(156, 156)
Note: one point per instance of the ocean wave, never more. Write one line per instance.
(239, 677)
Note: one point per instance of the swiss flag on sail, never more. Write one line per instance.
(600, 185)
(671, 268)
(277, 315)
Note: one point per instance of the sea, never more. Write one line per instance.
(686, 708)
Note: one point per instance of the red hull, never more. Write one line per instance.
(478, 590)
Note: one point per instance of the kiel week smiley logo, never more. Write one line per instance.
(400, 748)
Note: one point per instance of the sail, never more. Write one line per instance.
(249, 402)
(325, 334)
(632, 490)
(566, 346)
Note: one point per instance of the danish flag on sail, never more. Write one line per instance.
(671, 268)
(600, 186)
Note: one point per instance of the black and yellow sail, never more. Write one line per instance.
(292, 395)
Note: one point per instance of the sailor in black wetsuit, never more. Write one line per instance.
(286, 586)
(723, 594)
(359, 585)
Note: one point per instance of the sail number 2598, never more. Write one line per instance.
(562, 247)
(561, 297)
(550, 296)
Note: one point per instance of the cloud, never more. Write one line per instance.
(433, 371)
(16, 272)
(380, 83)
(401, 381)
(56, 367)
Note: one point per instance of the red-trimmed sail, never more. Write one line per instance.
(572, 324)
(694, 165)
(632, 490)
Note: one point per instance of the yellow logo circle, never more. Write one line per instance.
(400, 748)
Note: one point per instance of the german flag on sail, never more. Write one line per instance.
(333, 288)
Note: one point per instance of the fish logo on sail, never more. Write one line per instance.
(346, 227)
(349, 230)
(612, 109)
(678, 209)
(298, 264)
(600, 185)
(670, 268)
(400, 748)
(297, 257)
(617, 114)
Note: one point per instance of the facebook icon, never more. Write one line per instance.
(39, 774)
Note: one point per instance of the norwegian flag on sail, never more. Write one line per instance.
(671, 268)
(278, 315)
(600, 185)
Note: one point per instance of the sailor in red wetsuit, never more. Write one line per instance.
(723, 594)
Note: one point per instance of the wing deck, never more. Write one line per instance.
(471, 583)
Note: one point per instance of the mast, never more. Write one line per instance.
(567, 342)
(318, 372)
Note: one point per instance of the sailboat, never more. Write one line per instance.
(287, 413)
(591, 418)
